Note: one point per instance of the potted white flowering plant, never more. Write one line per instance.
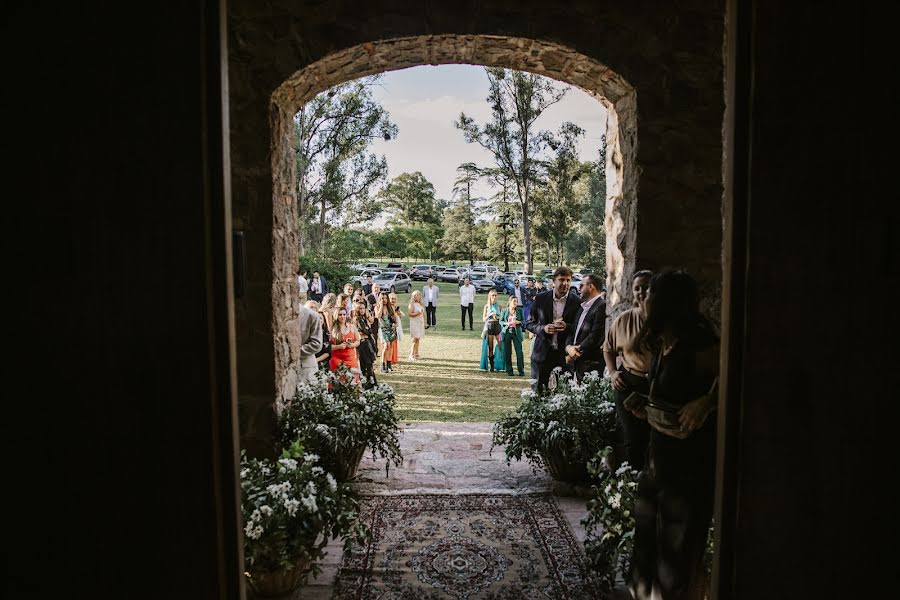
(610, 521)
(562, 429)
(338, 419)
(291, 508)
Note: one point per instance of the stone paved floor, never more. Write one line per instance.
(448, 458)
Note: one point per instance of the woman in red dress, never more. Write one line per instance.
(344, 341)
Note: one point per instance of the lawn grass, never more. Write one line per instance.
(445, 384)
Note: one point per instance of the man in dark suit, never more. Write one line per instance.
(318, 287)
(584, 344)
(367, 287)
(551, 316)
(372, 297)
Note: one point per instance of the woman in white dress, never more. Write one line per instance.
(416, 323)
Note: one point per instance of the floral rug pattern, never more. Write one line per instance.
(464, 547)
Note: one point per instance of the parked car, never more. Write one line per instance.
(394, 281)
(369, 265)
(449, 274)
(361, 278)
(395, 266)
(420, 272)
(482, 283)
(481, 271)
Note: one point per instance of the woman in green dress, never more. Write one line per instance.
(511, 333)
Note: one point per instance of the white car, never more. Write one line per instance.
(364, 274)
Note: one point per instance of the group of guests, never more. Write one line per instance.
(662, 354)
(355, 328)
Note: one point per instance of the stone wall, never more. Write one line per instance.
(658, 74)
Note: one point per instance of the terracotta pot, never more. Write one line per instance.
(278, 583)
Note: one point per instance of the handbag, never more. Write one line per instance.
(661, 415)
(493, 327)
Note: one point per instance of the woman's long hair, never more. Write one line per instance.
(488, 303)
(337, 336)
(381, 306)
(674, 306)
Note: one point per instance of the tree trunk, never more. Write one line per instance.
(322, 228)
(526, 223)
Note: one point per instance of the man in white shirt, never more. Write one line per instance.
(430, 295)
(584, 345)
(466, 302)
(517, 292)
(302, 285)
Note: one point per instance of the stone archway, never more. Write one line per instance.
(544, 58)
(281, 56)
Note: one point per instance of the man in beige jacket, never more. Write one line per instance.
(310, 325)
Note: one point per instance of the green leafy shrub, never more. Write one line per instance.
(560, 430)
(335, 417)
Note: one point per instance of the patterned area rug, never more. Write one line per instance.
(465, 547)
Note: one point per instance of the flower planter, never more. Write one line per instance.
(564, 467)
(346, 466)
(279, 583)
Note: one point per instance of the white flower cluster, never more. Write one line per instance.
(253, 529)
(287, 465)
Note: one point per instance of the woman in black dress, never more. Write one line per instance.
(675, 489)
(367, 350)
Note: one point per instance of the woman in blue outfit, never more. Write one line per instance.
(511, 326)
(491, 346)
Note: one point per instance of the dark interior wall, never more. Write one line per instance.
(123, 429)
(812, 499)
(114, 362)
(670, 53)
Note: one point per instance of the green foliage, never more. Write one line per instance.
(411, 199)
(336, 172)
(333, 272)
(334, 416)
(576, 420)
(516, 99)
(348, 244)
(461, 237)
(610, 521)
(558, 200)
(593, 217)
(286, 504)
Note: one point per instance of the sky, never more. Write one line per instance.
(425, 101)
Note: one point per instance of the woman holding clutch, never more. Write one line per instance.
(491, 346)
(511, 327)
(676, 488)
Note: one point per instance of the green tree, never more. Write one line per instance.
(346, 244)
(517, 99)
(462, 238)
(504, 238)
(336, 171)
(558, 205)
(593, 216)
(389, 242)
(410, 198)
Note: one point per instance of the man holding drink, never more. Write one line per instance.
(552, 314)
